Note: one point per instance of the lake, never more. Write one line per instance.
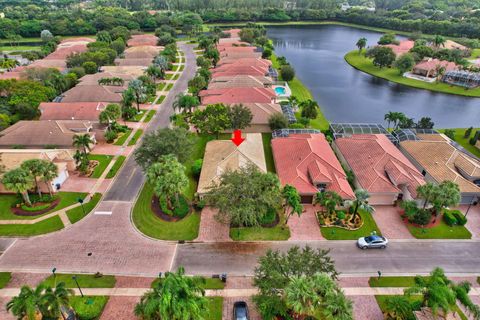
(348, 95)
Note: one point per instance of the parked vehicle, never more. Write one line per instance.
(372, 241)
(240, 310)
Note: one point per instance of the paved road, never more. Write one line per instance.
(130, 179)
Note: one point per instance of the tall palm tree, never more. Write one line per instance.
(389, 117)
(330, 200)
(20, 181)
(49, 172)
(56, 300)
(293, 101)
(155, 72)
(398, 307)
(337, 307)
(139, 91)
(83, 141)
(35, 167)
(361, 43)
(176, 297)
(184, 102)
(27, 304)
(360, 202)
(301, 297)
(439, 41)
(292, 200)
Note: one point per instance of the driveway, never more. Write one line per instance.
(390, 223)
(74, 183)
(211, 229)
(473, 220)
(306, 226)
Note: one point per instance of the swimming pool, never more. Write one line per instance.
(280, 91)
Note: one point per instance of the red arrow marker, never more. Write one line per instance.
(237, 137)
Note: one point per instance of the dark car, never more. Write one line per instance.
(240, 310)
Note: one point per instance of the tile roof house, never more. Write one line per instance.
(379, 167)
(142, 40)
(452, 45)
(223, 155)
(239, 55)
(239, 81)
(234, 33)
(239, 70)
(92, 79)
(307, 162)
(71, 110)
(401, 48)
(439, 161)
(38, 134)
(62, 158)
(430, 67)
(237, 95)
(131, 71)
(93, 93)
(133, 62)
(142, 52)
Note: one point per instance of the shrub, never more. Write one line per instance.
(304, 121)
(277, 121)
(79, 71)
(110, 135)
(287, 72)
(450, 133)
(341, 215)
(269, 217)
(461, 219)
(449, 218)
(422, 217)
(90, 67)
(180, 207)
(197, 167)
(266, 53)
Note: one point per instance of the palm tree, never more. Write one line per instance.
(49, 172)
(83, 141)
(360, 202)
(293, 101)
(361, 43)
(389, 117)
(161, 62)
(35, 168)
(27, 304)
(398, 307)
(185, 102)
(439, 41)
(20, 181)
(427, 192)
(328, 200)
(176, 297)
(56, 300)
(155, 72)
(139, 91)
(301, 297)
(337, 307)
(292, 200)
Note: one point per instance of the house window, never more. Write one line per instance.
(321, 187)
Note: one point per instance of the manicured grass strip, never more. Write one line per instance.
(149, 116)
(464, 142)
(214, 308)
(210, 283)
(336, 233)
(25, 230)
(362, 63)
(160, 100)
(169, 86)
(135, 137)
(77, 214)
(138, 116)
(260, 234)
(442, 231)
(5, 279)
(160, 86)
(149, 224)
(394, 282)
(118, 164)
(84, 280)
(182, 67)
(169, 76)
(176, 77)
(121, 140)
(267, 149)
(103, 160)
(88, 307)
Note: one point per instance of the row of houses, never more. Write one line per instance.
(76, 111)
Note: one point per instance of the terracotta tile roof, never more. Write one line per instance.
(37, 134)
(92, 79)
(142, 52)
(93, 93)
(71, 110)
(303, 159)
(401, 48)
(237, 95)
(77, 40)
(261, 111)
(13, 158)
(223, 155)
(239, 70)
(238, 81)
(49, 63)
(257, 62)
(234, 33)
(449, 44)
(231, 42)
(442, 161)
(432, 64)
(238, 49)
(378, 165)
(11, 75)
(64, 52)
(130, 71)
(142, 40)
(239, 55)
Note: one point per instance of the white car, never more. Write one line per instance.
(373, 241)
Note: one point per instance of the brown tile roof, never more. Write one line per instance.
(258, 62)
(223, 155)
(77, 40)
(63, 52)
(142, 52)
(449, 44)
(71, 110)
(401, 48)
(432, 64)
(237, 95)
(37, 134)
(93, 93)
(378, 165)
(238, 81)
(134, 62)
(92, 79)
(303, 160)
(142, 40)
(442, 160)
(239, 70)
(132, 71)
(13, 158)
(240, 55)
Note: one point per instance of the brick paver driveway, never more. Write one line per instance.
(74, 183)
(390, 223)
(306, 226)
(366, 308)
(473, 220)
(211, 229)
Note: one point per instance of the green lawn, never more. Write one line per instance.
(475, 54)
(267, 149)
(394, 282)
(149, 116)
(278, 233)
(5, 279)
(160, 99)
(77, 214)
(26, 230)
(124, 136)
(335, 233)
(151, 98)
(18, 48)
(118, 164)
(148, 223)
(160, 86)
(135, 137)
(360, 62)
(169, 86)
(138, 116)
(442, 231)
(7, 201)
(88, 307)
(197, 153)
(103, 160)
(169, 76)
(459, 133)
(84, 280)
(215, 307)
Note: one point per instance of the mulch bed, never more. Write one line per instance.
(21, 212)
(155, 206)
(435, 221)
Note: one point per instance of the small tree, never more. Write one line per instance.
(292, 200)
(277, 121)
(361, 43)
(110, 115)
(27, 304)
(388, 38)
(398, 307)
(83, 141)
(360, 202)
(309, 109)
(155, 72)
(212, 120)
(383, 57)
(35, 168)
(139, 91)
(168, 178)
(330, 200)
(425, 123)
(49, 172)
(287, 72)
(46, 36)
(197, 84)
(240, 116)
(19, 180)
(90, 67)
(404, 63)
(185, 103)
(104, 36)
(468, 133)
